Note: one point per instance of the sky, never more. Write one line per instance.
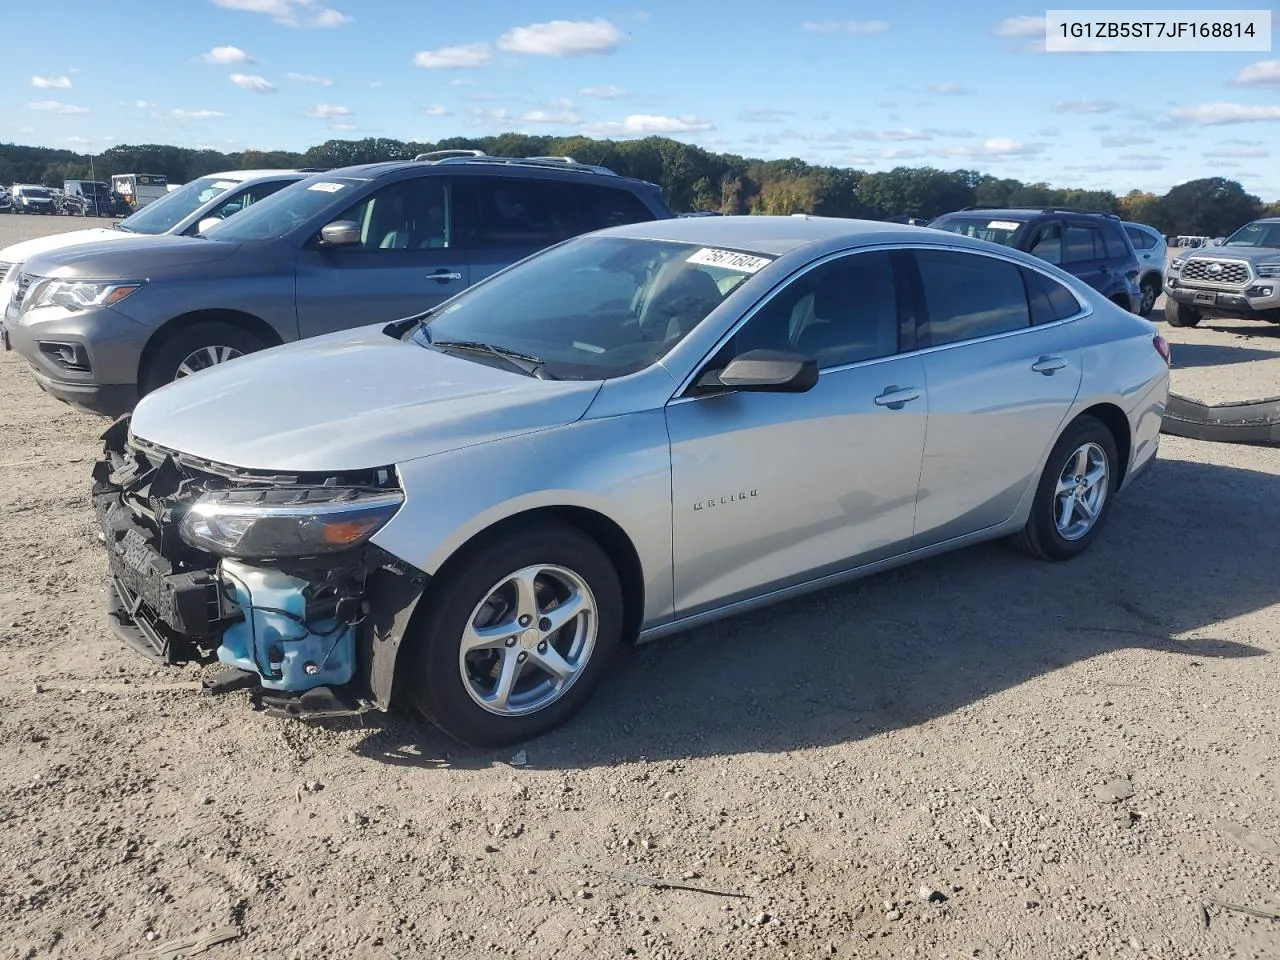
(852, 84)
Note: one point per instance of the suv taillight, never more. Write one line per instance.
(1162, 348)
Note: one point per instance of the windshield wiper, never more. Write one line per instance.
(533, 366)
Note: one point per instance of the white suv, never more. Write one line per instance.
(1149, 244)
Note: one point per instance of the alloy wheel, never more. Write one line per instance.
(204, 358)
(528, 640)
(1081, 491)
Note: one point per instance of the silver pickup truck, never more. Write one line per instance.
(1238, 278)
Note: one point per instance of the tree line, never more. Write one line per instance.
(693, 179)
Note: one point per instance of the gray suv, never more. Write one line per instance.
(1239, 278)
(102, 324)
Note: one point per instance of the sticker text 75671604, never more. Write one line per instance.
(729, 260)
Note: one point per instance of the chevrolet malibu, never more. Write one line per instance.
(629, 434)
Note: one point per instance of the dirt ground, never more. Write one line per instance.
(980, 756)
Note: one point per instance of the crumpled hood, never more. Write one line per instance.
(350, 401)
(24, 251)
(136, 258)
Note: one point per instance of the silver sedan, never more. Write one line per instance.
(629, 434)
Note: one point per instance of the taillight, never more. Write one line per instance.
(1162, 348)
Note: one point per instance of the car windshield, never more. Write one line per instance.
(593, 308)
(993, 229)
(284, 211)
(165, 213)
(38, 192)
(1257, 234)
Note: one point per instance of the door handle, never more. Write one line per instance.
(1047, 365)
(895, 398)
(444, 276)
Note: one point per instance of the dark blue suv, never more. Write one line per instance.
(1091, 246)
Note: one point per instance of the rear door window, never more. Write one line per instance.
(495, 212)
(967, 296)
(1116, 247)
(603, 207)
(1081, 243)
(1046, 242)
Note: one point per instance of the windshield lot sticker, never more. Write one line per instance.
(1003, 225)
(326, 187)
(224, 185)
(729, 260)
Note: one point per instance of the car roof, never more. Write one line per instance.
(549, 168)
(777, 235)
(238, 175)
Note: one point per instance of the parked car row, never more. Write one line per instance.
(452, 431)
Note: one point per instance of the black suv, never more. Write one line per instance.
(1090, 246)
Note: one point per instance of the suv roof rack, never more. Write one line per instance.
(479, 156)
(314, 169)
(1096, 213)
(438, 155)
(1038, 209)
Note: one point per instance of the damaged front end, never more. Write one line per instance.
(272, 574)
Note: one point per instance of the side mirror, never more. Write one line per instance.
(340, 233)
(204, 225)
(764, 371)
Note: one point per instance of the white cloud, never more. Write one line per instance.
(935, 132)
(343, 125)
(891, 135)
(76, 141)
(1258, 74)
(310, 78)
(1083, 106)
(328, 111)
(950, 89)
(1021, 27)
(1215, 114)
(563, 38)
(435, 110)
(845, 26)
(292, 13)
(1048, 132)
(606, 92)
(549, 116)
(144, 104)
(643, 124)
(226, 55)
(464, 56)
(459, 82)
(1244, 152)
(1125, 140)
(996, 147)
(184, 115)
(764, 115)
(51, 83)
(252, 83)
(503, 119)
(53, 106)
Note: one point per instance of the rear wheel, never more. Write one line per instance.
(1074, 494)
(1180, 315)
(1150, 292)
(194, 348)
(516, 636)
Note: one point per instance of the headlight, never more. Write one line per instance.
(1268, 271)
(77, 294)
(287, 522)
(1177, 263)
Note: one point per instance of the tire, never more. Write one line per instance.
(1150, 294)
(1043, 536)
(215, 335)
(432, 678)
(1180, 315)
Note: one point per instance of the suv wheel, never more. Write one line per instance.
(1180, 315)
(194, 348)
(1150, 291)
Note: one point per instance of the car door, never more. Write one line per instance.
(772, 489)
(999, 385)
(503, 219)
(1084, 255)
(406, 260)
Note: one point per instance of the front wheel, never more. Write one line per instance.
(194, 348)
(1074, 495)
(1180, 315)
(515, 636)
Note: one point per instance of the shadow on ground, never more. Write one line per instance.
(1181, 553)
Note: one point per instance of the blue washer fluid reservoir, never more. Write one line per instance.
(285, 654)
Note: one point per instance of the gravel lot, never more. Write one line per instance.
(980, 756)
